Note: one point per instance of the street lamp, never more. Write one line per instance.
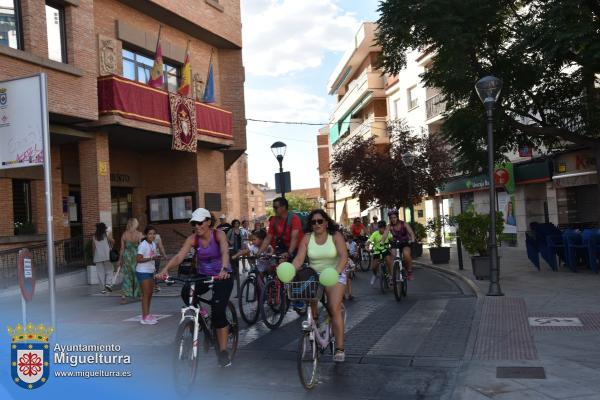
(408, 159)
(334, 186)
(488, 89)
(278, 150)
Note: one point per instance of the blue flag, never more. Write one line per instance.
(209, 90)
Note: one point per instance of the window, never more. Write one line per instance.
(10, 29)
(137, 67)
(55, 29)
(212, 201)
(171, 207)
(413, 97)
(396, 109)
(21, 200)
(419, 213)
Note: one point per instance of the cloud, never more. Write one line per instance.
(286, 104)
(286, 36)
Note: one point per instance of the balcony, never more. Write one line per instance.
(132, 100)
(357, 89)
(373, 127)
(435, 106)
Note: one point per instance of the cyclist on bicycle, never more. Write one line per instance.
(285, 231)
(212, 255)
(381, 249)
(325, 248)
(252, 250)
(403, 236)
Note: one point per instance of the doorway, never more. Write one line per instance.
(121, 209)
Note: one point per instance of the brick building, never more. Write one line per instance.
(110, 132)
(256, 202)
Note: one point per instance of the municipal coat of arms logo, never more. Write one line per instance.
(30, 355)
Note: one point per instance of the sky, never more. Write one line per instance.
(290, 49)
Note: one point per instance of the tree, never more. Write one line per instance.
(376, 174)
(546, 51)
(296, 203)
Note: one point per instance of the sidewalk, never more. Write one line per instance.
(528, 328)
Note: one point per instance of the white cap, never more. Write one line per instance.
(200, 215)
(223, 216)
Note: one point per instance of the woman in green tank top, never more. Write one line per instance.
(325, 248)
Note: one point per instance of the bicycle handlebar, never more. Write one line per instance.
(205, 279)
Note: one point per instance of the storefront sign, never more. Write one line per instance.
(504, 177)
(119, 178)
(21, 123)
(102, 168)
(577, 168)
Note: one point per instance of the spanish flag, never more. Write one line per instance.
(186, 74)
(157, 72)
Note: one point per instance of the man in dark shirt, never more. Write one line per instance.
(223, 225)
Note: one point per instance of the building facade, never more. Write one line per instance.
(110, 132)
(256, 202)
(360, 110)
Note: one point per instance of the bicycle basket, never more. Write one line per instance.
(310, 289)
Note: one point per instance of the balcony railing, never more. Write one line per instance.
(435, 106)
(133, 100)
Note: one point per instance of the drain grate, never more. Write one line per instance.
(520, 373)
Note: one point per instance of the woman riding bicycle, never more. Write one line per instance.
(325, 248)
(212, 255)
(403, 235)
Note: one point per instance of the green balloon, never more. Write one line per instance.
(329, 277)
(286, 272)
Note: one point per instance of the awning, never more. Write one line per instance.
(533, 172)
(570, 179)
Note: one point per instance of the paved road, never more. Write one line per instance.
(402, 350)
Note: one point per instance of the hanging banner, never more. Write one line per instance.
(21, 134)
(183, 123)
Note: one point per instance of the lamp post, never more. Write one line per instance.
(488, 89)
(278, 150)
(408, 159)
(334, 186)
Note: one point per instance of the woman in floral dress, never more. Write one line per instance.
(127, 261)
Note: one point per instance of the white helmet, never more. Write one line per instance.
(200, 215)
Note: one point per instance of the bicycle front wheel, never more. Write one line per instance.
(383, 278)
(248, 301)
(365, 261)
(307, 361)
(185, 361)
(397, 280)
(273, 304)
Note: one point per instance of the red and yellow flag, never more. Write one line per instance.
(186, 74)
(157, 73)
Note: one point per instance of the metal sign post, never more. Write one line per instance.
(48, 187)
(25, 142)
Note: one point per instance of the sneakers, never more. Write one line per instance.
(339, 356)
(108, 288)
(103, 291)
(373, 278)
(149, 320)
(224, 360)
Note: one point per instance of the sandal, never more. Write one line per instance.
(339, 356)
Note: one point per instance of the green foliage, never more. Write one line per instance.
(474, 230)
(377, 175)
(24, 228)
(419, 230)
(301, 203)
(434, 227)
(547, 52)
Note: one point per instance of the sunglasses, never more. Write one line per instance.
(317, 222)
(194, 223)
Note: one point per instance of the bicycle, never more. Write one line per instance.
(365, 257)
(195, 318)
(249, 297)
(399, 274)
(383, 275)
(314, 340)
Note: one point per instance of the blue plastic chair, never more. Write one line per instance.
(574, 248)
(591, 239)
(533, 252)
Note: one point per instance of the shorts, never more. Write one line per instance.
(400, 245)
(382, 255)
(142, 276)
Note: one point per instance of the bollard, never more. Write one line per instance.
(459, 252)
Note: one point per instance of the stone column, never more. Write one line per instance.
(94, 172)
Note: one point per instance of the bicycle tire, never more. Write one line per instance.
(365, 261)
(185, 365)
(383, 281)
(234, 332)
(273, 311)
(397, 280)
(249, 301)
(307, 361)
(404, 283)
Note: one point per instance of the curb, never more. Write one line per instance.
(455, 274)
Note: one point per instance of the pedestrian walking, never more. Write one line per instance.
(234, 237)
(127, 261)
(160, 250)
(245, 230)
(102, 242)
